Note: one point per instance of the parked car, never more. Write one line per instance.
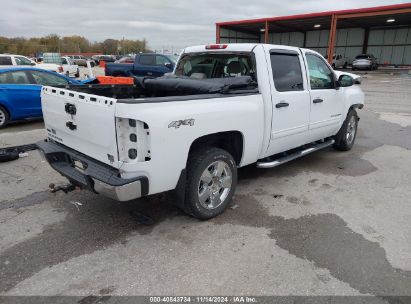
(225, 106)
(153, 65)
(365, 62)
(69, 68)
(339, 61)
(20, 91)
(9, 60)
(81, 60)
(106, 58)
(125, 59)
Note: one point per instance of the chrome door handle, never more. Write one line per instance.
(317, 100)
(281, 105)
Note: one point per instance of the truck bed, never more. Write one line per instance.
(168, 88)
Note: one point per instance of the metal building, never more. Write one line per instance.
(384, 31)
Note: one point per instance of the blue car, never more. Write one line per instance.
(20, 92)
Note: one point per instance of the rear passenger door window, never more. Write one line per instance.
(17, 77)
(287, 73)
(5, 60)
(147, 60)
(49, 79)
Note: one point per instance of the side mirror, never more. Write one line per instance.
(169, 65)
(345, 81)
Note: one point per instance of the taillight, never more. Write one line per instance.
(61, 69)
(216, 46)
(133, 140)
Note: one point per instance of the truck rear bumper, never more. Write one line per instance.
(88, 173)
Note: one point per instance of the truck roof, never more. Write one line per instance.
(235, 47)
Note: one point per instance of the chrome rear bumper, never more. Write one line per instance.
(88, 173)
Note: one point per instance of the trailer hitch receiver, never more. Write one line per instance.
(66, 189)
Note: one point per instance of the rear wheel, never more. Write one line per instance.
(4, 117)
(211, 182)
(345, 65)
(77, 75)
(344, 140)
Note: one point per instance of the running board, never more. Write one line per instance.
(294, 155)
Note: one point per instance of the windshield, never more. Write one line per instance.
(214, 65)
(173, 58)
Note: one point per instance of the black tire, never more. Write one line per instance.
(67, 74)
(199, 161)
(343, 140)
(77, 75)
(4, 117)
(333, 65)
(353, 68)
(345, 65)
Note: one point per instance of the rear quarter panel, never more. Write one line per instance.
(170, 146)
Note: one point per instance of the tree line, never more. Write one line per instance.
(69, 44)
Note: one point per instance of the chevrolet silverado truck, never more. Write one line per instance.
(150, 65)
(224, 107)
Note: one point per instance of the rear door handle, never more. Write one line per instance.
(317, 100)
(281, 105)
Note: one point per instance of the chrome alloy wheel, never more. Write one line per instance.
(2, 117)
(215, 184)
(351, 129)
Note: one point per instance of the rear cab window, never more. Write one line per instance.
(216, 65)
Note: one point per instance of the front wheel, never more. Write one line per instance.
(344, 140)
(211, 182)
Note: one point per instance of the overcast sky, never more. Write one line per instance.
(172, 23)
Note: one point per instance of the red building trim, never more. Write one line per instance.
(320, 14)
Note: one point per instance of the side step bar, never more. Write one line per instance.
(287, 158)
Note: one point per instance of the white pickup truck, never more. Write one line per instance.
(70, 69)
(224, 107)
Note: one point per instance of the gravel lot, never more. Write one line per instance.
(332, 223)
